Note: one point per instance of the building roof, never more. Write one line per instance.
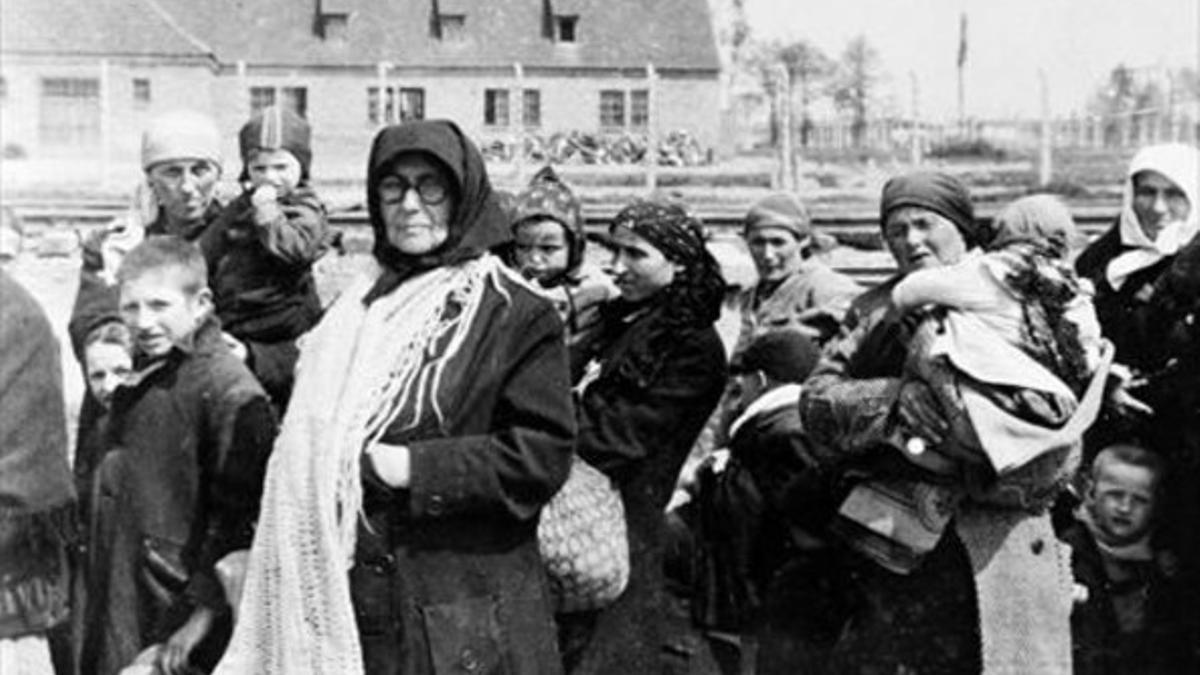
(672, 34)
(94, 28)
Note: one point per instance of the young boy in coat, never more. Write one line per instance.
(1130, 613)
(261, 250)
(180, 485)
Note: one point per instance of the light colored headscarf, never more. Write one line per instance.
(1180, 163)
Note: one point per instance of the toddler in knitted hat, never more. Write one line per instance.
(548, 250)
(261, 251)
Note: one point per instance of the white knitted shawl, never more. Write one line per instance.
(360, 369)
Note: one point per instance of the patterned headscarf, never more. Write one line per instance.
(695, 295)
(548, 197)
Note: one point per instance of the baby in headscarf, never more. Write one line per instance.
(548, 250)
(1009, 344)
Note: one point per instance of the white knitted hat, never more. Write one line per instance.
(181, 134)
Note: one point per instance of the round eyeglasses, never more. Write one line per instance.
(431, 189)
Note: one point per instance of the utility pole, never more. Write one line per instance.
(914, 136)
(788, 153)
(1044, 168)
(962, 62)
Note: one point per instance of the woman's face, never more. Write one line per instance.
(417, 200)
(541, 249)
(108, 367)
(1157, 202)
(184, 187)
(919, 238)
(639, 269)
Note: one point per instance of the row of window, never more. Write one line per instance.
(70, 108)
(453, 28)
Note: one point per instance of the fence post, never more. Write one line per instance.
(381, 71)
(651, 137)
(105, 121)
(914, 134)
(1044, 168)
(518, 124)
(787, 166)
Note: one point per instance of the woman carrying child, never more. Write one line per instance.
(939, 567)
(260, 252)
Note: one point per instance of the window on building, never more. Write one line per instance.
(399, 104)
(70, 112)
(412, 104)
(612, 109)
(639, 108)
(495, 107)
(565, 28)
(291, 98)
(261, 97)
(141, 92)
(296, 100)
(453, 27)
(531, 108)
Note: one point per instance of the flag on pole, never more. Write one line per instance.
(962, 39)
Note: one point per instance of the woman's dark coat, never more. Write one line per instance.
(1154, 321)
(637, 422)
(447, 575)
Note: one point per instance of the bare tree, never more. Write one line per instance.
(807, 68)
(858, 75)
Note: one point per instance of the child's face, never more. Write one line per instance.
(108, 366)
(1122, 502)
(277, 168)
(540, 249)
(160, 312)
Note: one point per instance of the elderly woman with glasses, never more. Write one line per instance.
(431, 420)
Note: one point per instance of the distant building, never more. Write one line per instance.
(79, 79)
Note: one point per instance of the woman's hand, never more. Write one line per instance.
(392, 463)
(173, 657)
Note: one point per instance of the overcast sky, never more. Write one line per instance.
(1077, 42)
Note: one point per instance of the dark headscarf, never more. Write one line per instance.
(477, 222)
(695, 296)
(939, 192)
(548, 197)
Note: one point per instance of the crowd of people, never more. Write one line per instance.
(989, 463)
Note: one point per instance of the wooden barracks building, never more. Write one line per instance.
(79, 78)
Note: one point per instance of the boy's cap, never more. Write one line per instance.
(180, 134)
(781, 210)
(784, 355)
(276, 128)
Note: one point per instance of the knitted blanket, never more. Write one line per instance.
(362, 369)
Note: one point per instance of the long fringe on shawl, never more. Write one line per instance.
(362, 369)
